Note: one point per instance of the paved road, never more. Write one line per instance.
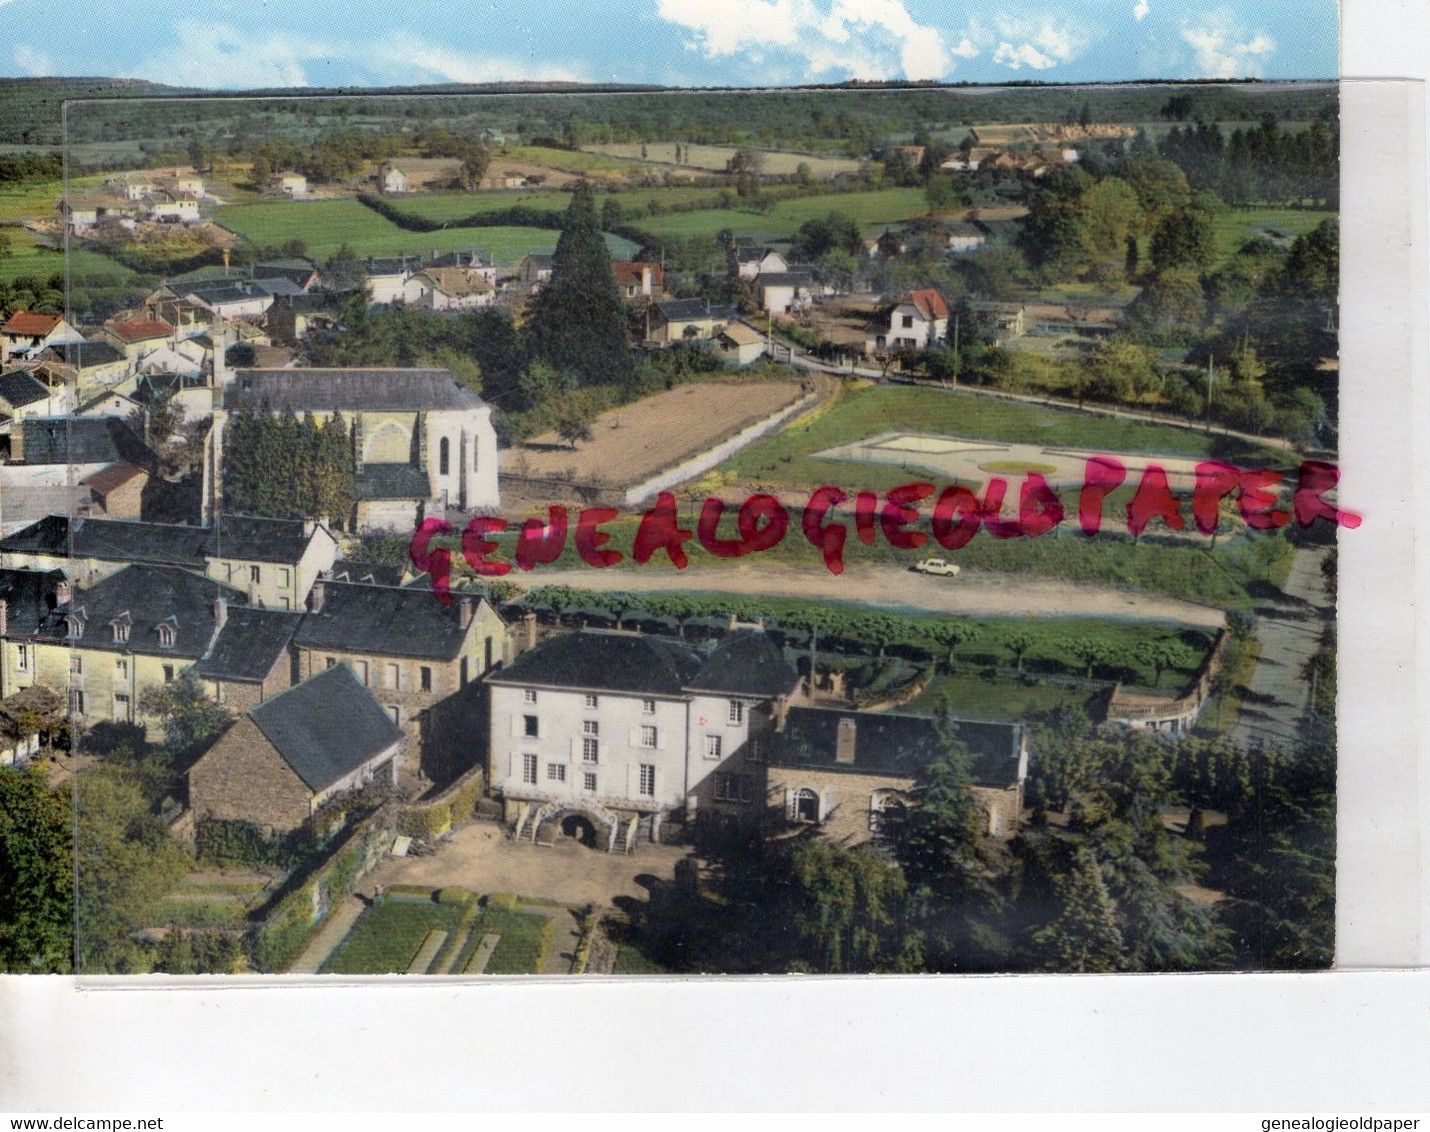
(971, 594)
(1289, 631)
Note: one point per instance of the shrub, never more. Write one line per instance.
(454, 895)
(408, 890)
(502, 901)
(429, 821)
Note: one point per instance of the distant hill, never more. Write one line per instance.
(30, 108)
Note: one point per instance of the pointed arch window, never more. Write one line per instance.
(444, 456)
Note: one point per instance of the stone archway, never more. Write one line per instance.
(579, 827)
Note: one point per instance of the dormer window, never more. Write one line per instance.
(62, 592)
(121, 626)
(167, 632)
(74, 625)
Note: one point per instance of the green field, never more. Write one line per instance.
(869, 209)
(571, 161)
(325, 226)
(459, 206)
(1235, 226)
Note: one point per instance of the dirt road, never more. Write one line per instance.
(970, 594)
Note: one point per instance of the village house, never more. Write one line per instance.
(81, 445)
(639, 280)
(136, 336)
(186, 184)
(282, 759)
(1009, 320)
(107, 644)
(785, 291)
(851, 773)
(453, 288)
(534, 270)
(418, 437)
(230, 300)
(23, 394)
(251, 660)
(416, 655)
(271, 562)
(27, 599)
(677, 320)
(169, 208)
(418, 174)
(90, 365)
(289, 183)
(964, 237)
(388, 279)
(298, 271)
(26, 332)
(916, 322)
(117, 492)
(740, 344)
(23, 718)
(290, 321)
(753, 260)
(611, 733)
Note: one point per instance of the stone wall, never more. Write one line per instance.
(243, 778)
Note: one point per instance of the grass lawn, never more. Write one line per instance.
(630, 961)
(1233, 227)
(388, 935)
(459, 206)
(786, 457)
(975, 698)
(324, 226)
(869, 209)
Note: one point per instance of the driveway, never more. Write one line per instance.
(1289, 630)
(980, 594)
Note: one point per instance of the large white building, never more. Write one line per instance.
(619, 730)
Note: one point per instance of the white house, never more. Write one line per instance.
(916, 322)
(392, 180)
(785, 291)
(291, 184)
(754, 261)
(453, 288)
(619, 730)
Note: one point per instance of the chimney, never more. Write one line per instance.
(781, 713)
(318, 595)
(844, 737)
(309, 526)
(645, 279)
(62, 592)
(529, 624)
(220, 614)
(468, 608)
(4, 616)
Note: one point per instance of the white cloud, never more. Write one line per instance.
(1226, 49)
(868, 39)
(29, 60)
(1044, 43)
(221, 56)
(1025, 54)
(1140, 10)
(965, 49)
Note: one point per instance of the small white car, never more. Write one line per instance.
(941, 566)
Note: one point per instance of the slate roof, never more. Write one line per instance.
(392, 481)
(225, 293)
(82, 440)
(745, 663)
(130, 540)
(605, 662)
(383, 620)
(752, 253)
(785, 279)
(19, 388)
(895, 745)
(348, 390)
(83, 354)
(689, 310)
(279, 287)
(249, 644)
(147, 596)
(326, 727)
(30, 596)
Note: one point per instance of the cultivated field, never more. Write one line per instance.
(638, 440)
(459, 206)
(325, 226)
(714, 158)
(869, 210)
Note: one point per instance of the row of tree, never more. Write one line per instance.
(284, 467)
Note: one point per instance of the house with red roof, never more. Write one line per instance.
(138, 336)
(639, 280)
(917, 321)
(27, 332)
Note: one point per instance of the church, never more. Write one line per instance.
(421, 442)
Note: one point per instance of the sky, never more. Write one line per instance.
(246, 44)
